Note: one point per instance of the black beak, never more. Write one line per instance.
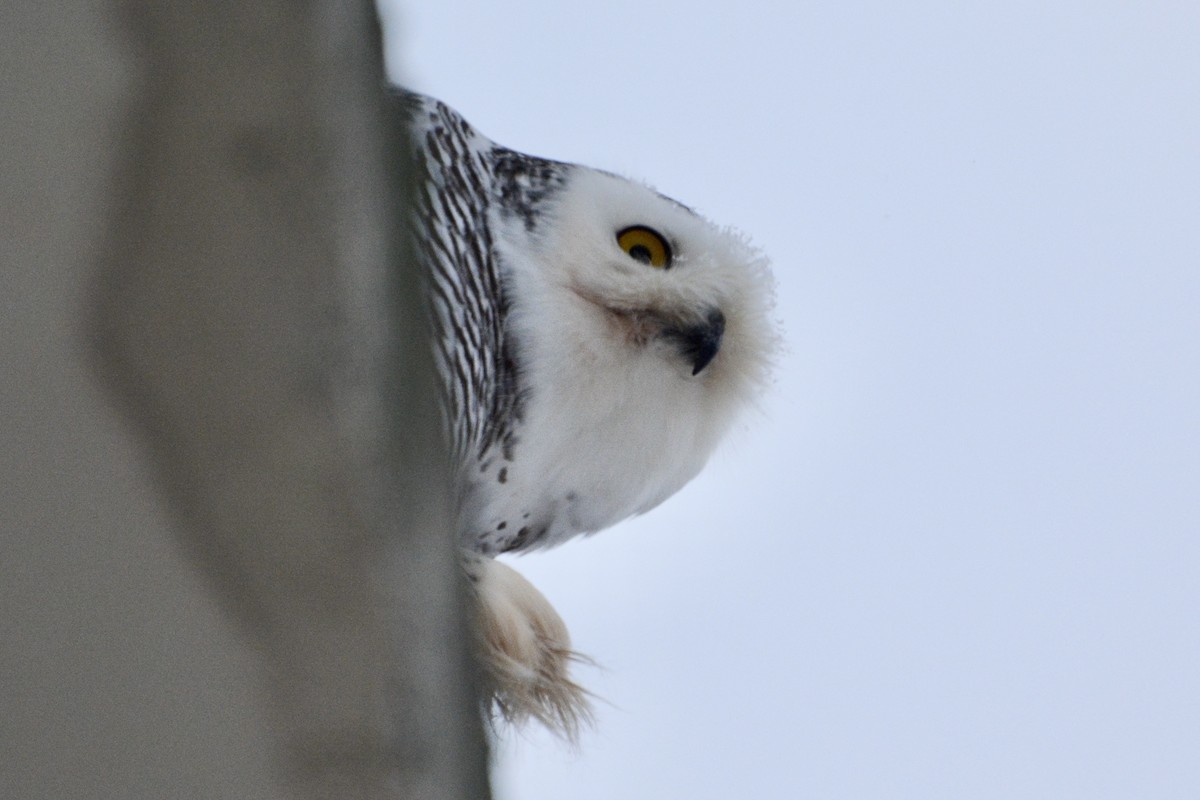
(700, 343)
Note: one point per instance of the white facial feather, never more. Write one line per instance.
(615, 421)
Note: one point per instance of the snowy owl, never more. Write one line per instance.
(594, 340)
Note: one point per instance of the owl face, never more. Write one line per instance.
(644, 329)
(650, 277)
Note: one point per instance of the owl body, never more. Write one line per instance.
(594, 340)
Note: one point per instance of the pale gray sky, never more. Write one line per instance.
(957, 555)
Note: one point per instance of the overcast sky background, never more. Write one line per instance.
(956, 555)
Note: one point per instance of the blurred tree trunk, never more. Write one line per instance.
(245, 373)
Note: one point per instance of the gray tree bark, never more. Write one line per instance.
(234, 362)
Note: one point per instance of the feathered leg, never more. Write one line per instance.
(524, 650)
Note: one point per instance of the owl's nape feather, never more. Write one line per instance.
(594, 340)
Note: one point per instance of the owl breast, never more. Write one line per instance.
(610, 427)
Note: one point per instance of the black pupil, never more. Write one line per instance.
(639, 252)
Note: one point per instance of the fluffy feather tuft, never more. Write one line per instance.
(524, 652)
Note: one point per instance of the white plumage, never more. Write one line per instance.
(595, 340)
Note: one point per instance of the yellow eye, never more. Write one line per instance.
(645, 245)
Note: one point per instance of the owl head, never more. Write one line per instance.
(645, 327)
